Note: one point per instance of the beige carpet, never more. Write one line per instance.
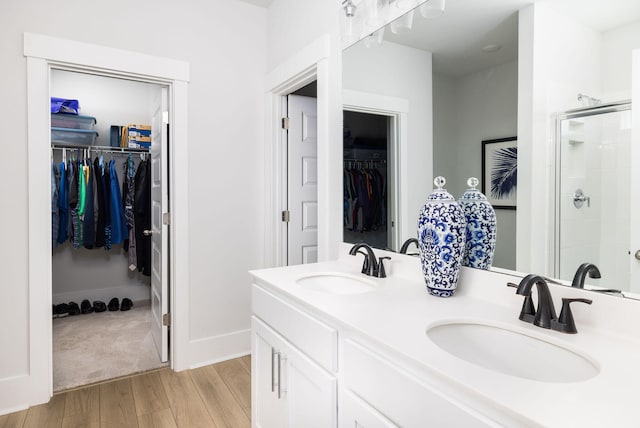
(94, 347)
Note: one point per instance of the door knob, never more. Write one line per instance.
(579, 198)
(637, 255)
(147, 232)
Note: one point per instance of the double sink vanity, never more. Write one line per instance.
(334, 347)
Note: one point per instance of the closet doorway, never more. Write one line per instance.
(109, 261)
(367, 139)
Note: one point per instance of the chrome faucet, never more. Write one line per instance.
(545, 311)
(370, 266)
(581, 274)
(405, 246)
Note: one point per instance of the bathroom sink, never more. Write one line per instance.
(336, 283)
(512, 352)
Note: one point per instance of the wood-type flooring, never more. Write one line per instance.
(218, 395)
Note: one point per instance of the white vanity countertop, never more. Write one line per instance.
(397, 314)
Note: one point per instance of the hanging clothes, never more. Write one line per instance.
(88, 225)
(119, 230)
(128, 195)
(364, 198)
(72, 175)
(63, 204)
(100, 222)
(55, 213)
(82, 199)
(106, 192)
(142, 216)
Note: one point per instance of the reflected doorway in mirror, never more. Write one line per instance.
(500, 171)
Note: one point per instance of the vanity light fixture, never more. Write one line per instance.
(406, 4)
(432, 8)
(348, 23)
(349, 8)
(402, 24)
(376, 12)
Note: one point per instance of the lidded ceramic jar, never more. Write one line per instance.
(441, 238)
(481, 227)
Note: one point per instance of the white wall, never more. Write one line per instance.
(294, 24)
(467, 110)
(228, 62)
(558, 58)
(402, 72)
(617, 45)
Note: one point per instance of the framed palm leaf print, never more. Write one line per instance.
(500, 171)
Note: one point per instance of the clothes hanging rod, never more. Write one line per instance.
(364, 160)
(109, 149)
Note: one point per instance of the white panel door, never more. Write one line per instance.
(159, 237)
(302, 180)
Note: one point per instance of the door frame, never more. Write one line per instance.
(397, 180)
(42, 54)
(320, 61)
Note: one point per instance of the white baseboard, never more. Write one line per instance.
(215, 349)
(18, 393)
(133, 292)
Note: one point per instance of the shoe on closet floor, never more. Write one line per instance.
(85, 307)
(73, 308)
(62, 310)
(99, 306)
(126, 304)
(114, 304)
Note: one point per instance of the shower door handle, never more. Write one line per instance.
(579, 198)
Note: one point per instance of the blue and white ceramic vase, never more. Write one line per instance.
(481, 227)
(441, 238)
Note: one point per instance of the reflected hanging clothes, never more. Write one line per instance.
(119, 229)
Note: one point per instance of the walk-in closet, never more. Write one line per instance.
(104, 257)
(365, 156)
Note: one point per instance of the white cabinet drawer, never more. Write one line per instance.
(400, 397)
(316, 339)
(355, 413)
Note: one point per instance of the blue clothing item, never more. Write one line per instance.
(55, 216)
(89, 223)
(63, 205)
(119, 228)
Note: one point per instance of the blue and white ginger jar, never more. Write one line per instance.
(441, 237)
(481, 227)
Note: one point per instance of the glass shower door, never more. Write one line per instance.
(594, 204)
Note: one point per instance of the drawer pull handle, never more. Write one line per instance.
(279, 376)
(273, 375)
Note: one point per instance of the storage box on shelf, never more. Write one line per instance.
(81, 137)
(62, 120)
(139, 136)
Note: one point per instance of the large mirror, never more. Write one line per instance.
(422, 97)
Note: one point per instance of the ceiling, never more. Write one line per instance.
(456, 37)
